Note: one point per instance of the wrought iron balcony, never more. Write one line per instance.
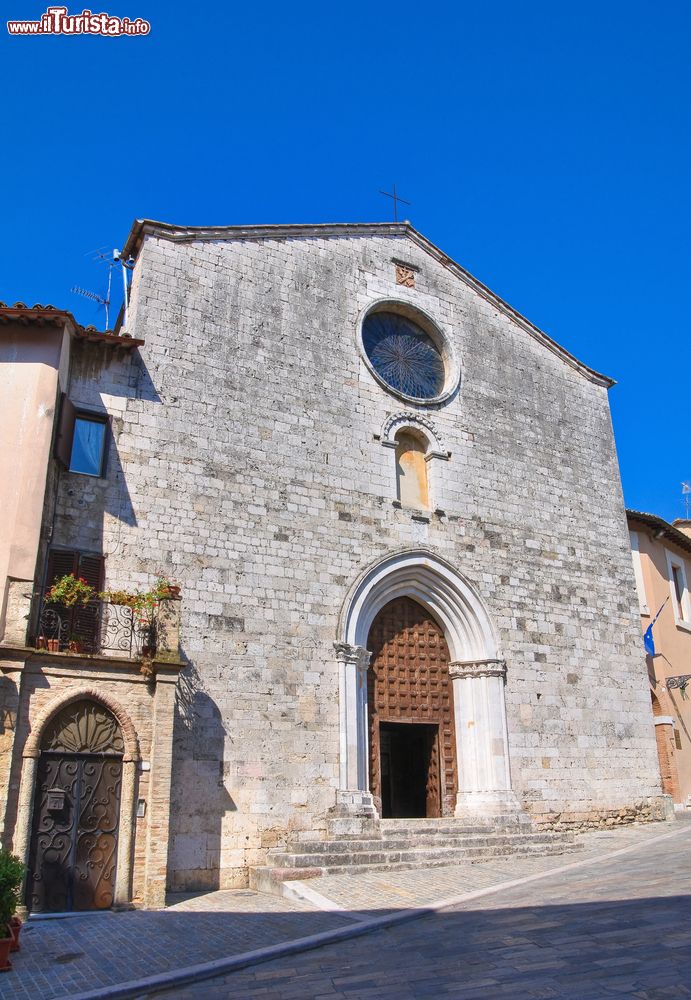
(96, 627)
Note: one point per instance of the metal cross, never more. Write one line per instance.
(396, 199)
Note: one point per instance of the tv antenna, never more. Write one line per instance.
(112, 259)
(686, 494)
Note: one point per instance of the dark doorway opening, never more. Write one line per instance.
(410, 786)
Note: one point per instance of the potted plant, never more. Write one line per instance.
(121, 597)
(143, 605)
(11, 875)
(76, 643)
(53, 645)
(166, 589)
(70, 590)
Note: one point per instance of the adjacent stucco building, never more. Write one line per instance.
(662, 564)
(393, 506)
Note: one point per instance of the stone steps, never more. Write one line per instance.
(404, 844)
(394, 843)
(332, 856)
(270, 879)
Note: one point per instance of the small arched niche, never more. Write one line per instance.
(412, 481)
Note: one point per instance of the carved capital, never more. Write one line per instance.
(356, 656)
(477, 668)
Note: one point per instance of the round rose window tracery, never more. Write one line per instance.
(403, 355)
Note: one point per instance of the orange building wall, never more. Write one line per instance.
(673, 658)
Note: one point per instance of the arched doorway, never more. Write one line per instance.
(413, 769)
(477, 670)
(76, 811)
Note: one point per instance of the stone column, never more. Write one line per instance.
(22, 832)
(123, 871)
(353, 795)
(482, 745)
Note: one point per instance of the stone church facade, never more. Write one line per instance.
(394, 510)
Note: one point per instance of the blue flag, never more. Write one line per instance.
(648, 641)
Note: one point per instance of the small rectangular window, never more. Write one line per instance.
(679, 591)
(88, 445)
(678, 587)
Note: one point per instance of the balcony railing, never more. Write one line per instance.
(96, 627)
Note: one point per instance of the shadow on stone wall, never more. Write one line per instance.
(199, 798)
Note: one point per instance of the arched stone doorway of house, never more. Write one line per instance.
(76, 811)
(411, 727)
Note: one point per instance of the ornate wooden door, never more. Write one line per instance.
(76, 813)
(408, 682)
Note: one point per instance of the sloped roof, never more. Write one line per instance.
(188, 234)
(40, 315)
(660, 527)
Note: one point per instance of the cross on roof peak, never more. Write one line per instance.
(396, 198)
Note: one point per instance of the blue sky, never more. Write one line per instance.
(545, 147)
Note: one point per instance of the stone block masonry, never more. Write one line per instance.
(248, 464)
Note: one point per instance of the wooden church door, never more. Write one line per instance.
(413, 768)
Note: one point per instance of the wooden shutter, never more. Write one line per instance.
(87, 618)
(63, 440)
(60, 563)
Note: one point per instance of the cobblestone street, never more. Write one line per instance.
(612, 921)
(616, 928)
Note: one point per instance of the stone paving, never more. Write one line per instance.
(616, 928)
(65, 957)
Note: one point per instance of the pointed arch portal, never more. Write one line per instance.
(448, 643)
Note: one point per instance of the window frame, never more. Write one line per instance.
(441, 336)
(94, 417)
(63, 445)
(423, 443)
(681, 608)
(83, 620)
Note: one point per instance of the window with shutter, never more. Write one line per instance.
(63, 439)
(83, 620)
(81, 439)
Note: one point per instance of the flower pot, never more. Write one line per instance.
(5, 948)
(53, 645)
(41, 642)
(15, 927)
(75, 647)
